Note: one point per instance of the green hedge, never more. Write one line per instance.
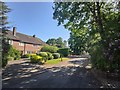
(56, 55)
(64, 51)
(51, 49)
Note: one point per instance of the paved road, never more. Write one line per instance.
(68, 74)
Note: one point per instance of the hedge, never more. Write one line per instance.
(51, 49)
(64, 51)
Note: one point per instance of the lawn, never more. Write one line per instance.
(56, 61)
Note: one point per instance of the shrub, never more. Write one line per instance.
(50, 56)
(44, 55)
(32, 55)
(35, 59)
(51, 49)
(10, 58)
(17, 55)
(64, 51)
(98, 60)
(56, 55)
(27, 55)
(14, 53)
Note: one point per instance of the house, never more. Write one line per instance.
(24, 43)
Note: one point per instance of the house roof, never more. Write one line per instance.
(23, 38)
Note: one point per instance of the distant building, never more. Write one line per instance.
(24, 43)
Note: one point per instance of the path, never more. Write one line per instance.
(67, 74)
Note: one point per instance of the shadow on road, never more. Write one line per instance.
(27, 75)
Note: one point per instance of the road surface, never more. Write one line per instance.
(67, 74)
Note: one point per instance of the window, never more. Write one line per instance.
(29, 52)
(21, 44)
(35, 45)
(10, 42)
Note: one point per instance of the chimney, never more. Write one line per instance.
(34, 35)
(14, 31)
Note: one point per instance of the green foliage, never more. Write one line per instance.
(56, 55)
(10, 58)
(51, 49)
(94, 28)
(5, 9)
(50, 56)
(44, 55)
(36, 59)
(57, 42)
(27, 55)
(14, 53)
(64, 51)
(3, 21)
(6, 48)
(51, 42)
(17, 55)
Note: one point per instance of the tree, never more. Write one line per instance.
(65, 43)
(51, 42)
(59, 42)
(3, 22)
(56, 42)
(96, 25)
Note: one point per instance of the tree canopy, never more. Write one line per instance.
(5, 48)
(57, 42)
(94, 28)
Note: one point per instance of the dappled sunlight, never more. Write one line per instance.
(73, 74)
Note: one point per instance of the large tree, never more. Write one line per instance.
(3, 22)
(96, 24)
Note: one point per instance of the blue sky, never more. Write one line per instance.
(36, 18)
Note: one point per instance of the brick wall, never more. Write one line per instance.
(26, 48)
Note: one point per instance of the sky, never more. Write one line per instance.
(35, 18)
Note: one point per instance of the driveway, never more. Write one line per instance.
(68, 74)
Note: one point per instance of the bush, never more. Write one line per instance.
(44, 55)
(10, 58)
(14, 53)
(51, 49)
(17, 54)
(36, 59)
(56, 55)
(27, 55)
(64, 51)
(98, 60)
(50, 56)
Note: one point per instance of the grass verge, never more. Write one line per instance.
(56, 61)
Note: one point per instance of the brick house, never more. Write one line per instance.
(24, 43)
